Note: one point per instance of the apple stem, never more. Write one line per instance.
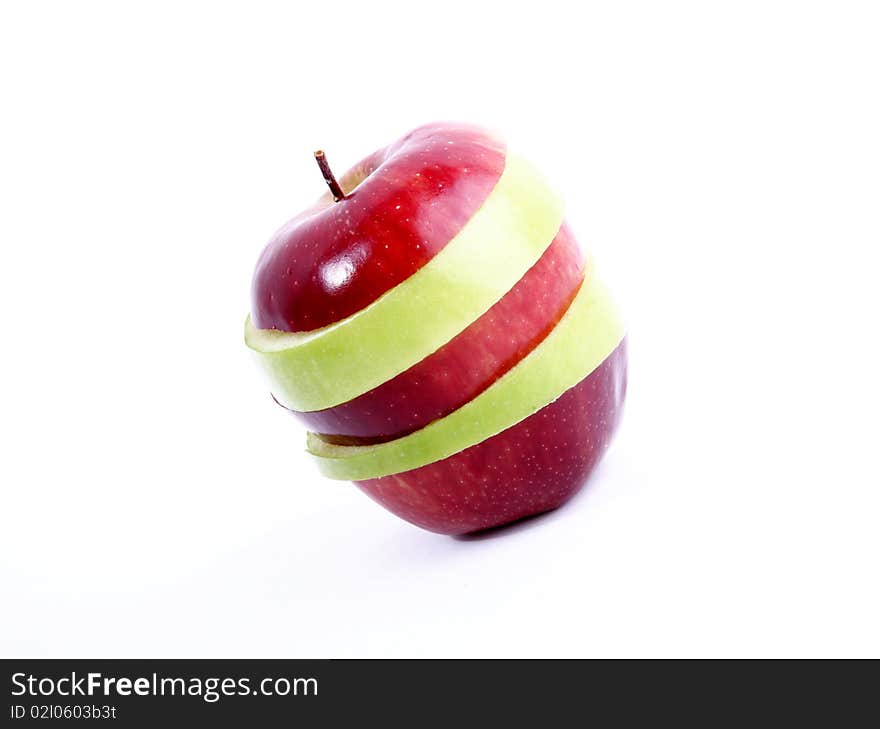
(329, 177)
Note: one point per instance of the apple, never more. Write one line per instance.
(433, 320)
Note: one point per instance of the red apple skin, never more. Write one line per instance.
(532, 467)
(467, 364)
(413, 197)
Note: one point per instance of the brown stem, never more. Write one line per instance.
(329, 177)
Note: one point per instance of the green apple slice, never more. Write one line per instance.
(496, 247)
(587, 333)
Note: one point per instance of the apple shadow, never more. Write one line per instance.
(521, 524)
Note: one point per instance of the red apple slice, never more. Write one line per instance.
(403, 205)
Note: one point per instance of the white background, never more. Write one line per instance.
(721, 160)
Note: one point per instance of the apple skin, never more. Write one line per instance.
(532, 467)
(469, 363)
(403, 204)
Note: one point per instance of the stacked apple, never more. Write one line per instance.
(433, 321)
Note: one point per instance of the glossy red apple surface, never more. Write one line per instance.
(403, 204)
(532, 467)
(468, 364)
